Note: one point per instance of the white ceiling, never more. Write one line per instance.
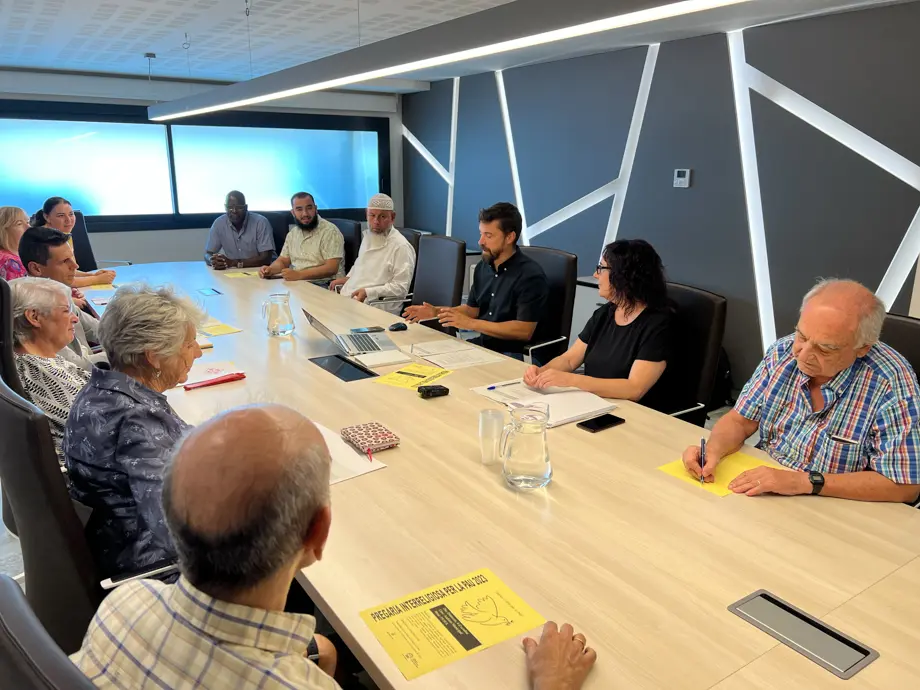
(111, 36)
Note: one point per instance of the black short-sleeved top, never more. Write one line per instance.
(612, 348)
(517, 291)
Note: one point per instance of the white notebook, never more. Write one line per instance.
(565, 406)
(383, 358)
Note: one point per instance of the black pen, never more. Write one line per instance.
(702, 458)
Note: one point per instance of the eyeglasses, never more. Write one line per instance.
(601, 267)
(235, 208)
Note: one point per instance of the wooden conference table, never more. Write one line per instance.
(643, 564)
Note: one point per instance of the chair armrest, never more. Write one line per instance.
(695, 408)
(119, 262)
(528, 351)
(390, 300)
(153, 572)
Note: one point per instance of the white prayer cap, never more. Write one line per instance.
(382, 202)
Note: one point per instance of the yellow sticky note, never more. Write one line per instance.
(412, 376)
(239, 274)
(729, 468)
(215, 328)
(433, 627)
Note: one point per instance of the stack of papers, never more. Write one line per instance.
(566, 406)
(383, 358)
(202, 372)
(453, 353)
(213, 328)
(347, 463)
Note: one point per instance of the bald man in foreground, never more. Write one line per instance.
(244, 521)
(832, 403)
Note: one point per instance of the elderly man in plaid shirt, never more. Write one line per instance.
(832, 403)
(244, 522)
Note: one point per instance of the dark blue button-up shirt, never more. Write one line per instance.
(118, 437)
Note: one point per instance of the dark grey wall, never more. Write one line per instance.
(827, 211)
(700, 232)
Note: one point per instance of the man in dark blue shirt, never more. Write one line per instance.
(508, 293)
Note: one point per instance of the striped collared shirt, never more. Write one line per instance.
(147, 635)
(870, 419)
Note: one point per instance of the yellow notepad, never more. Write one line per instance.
(240, 274)
(102, 287)
(433, 627)
(215, 328)
(729, 468)
(412, 376)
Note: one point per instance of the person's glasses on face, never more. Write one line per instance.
(235, 208)
(601, 267)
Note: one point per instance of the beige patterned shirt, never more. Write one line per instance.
(148, 635)
(307, 249)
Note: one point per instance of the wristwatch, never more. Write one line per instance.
(817, 482)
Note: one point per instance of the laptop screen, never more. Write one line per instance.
(326, 333)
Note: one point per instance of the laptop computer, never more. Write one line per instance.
(353, 343)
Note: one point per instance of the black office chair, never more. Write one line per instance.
(413, 236)
(699, 329)
(29, 658)
(561, 269)
(351, 231)
(903, 334)
(83, 250)
(61, 582)
(9, 375)
(281, 222)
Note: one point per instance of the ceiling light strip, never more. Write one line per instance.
(168, 111)
(834, 127)
(752, 195)
(428, 156)
(573, 209)
(512, 157)
(905, 259)
(632, 143)
(454, 114)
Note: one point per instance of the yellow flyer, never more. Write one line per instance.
(431, 628)
(213, 328)
(412, 376)
(240, 274)
(726, 471)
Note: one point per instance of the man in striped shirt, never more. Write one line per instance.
(832, 403)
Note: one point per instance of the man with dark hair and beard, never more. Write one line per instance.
(239, 239)
(314, 249)
(508, 293)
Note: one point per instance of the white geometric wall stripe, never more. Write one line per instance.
(615, 188)
(746, 78)
(448, 174)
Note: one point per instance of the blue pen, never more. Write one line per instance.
(502, 385)
(702, 458)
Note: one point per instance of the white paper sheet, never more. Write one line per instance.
(208, 371)
(347, 463)
(439, 347)
(463, 358)
(565, 406)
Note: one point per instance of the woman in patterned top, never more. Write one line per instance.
(13, 222)
(122, 429)
(43, 323)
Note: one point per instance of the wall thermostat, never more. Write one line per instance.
(682, 178)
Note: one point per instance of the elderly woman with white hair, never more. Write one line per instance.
(43, 324)
(121, 428)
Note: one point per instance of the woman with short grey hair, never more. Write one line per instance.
(122, 429)
(43, 324)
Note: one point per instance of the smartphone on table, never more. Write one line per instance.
(605, 421)
(368, 329)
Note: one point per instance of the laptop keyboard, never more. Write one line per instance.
(363, 342)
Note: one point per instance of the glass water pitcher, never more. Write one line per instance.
(276, 311)
(524, 451)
